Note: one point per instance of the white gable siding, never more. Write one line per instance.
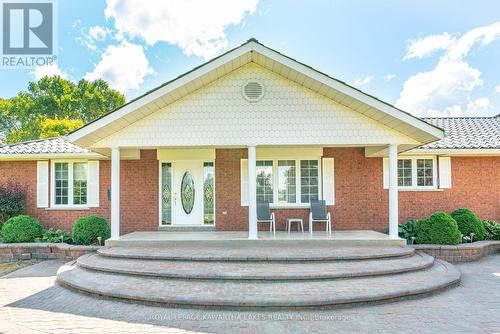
(289, 114)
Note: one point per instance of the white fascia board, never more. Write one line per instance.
(457, 152)
(345, 89)
(47, 156)
(176, 83)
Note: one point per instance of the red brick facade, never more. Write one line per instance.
(360, 200)
(139, 193)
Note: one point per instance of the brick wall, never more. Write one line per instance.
(139, 193)
(229, 214)
(475, 185)
(360, 200)
(361, 203)
(24, 172)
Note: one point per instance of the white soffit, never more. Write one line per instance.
(252, 51)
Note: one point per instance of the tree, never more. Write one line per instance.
(54, 98)
(58, 127)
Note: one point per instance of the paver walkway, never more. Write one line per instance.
(31, 303)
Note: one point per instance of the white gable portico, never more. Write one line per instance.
(255, 98)
(287, 114)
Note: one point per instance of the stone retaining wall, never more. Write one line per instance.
(43, 251)
(460, 253)
(46, 251)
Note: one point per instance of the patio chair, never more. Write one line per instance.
(264, 215)
(319, 214)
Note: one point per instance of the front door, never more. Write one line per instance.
(187, 191)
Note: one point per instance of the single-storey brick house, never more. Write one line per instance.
(254, 125)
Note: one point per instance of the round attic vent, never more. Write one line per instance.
(253, 91)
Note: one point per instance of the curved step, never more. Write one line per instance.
(255, 270)
(232, 293)
(264, 252)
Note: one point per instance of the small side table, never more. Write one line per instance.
(299, 221)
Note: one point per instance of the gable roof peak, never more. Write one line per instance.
(256, 52)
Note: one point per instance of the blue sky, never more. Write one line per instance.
(431, 58)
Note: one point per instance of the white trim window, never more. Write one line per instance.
(69, 183)
(417, 172)
(264, 174)
(288, 182)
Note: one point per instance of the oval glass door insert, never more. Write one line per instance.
(187, 192)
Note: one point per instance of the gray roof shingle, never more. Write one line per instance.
(41, 146)
(466, 133)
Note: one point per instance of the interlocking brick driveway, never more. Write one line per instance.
(31, 303)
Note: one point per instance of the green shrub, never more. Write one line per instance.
(439, 228)
(52, 235)
(87, 229)
(469, 223)
(12, 200)
(492, 230)
(408, 230)
(21, 229)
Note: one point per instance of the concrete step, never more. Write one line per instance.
(261, 293)
(263, 252)
(220, 270)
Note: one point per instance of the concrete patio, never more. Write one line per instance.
(31, 303)
(337, 238)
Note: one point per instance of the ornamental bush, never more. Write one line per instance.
(87, 229)
(21, 229)
(12, 200)
(407, 231)
(52, 235)
(439, 228)
(469, 223)
(492, 230)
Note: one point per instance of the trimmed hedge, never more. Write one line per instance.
(492, 229)
(469, 223)
(21, 228)
(439, 228)
(87, 229)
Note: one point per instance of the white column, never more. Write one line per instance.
(115, 193)
(393, 191)
(252, 194)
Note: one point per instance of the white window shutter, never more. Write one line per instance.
(444, 172)
(42, 184)
(244, 181)
(385, 168)
(93, 183)
(328, 181)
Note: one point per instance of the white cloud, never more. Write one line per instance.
(362, 81)
(389, 77)
(90, 37)
(123, 66)
(196, 26)
(446, 85)
(426, 46)
(98, 33)
(497, 89)
(482, 35)
(472, 108)
(48, 71)
(447, 90)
